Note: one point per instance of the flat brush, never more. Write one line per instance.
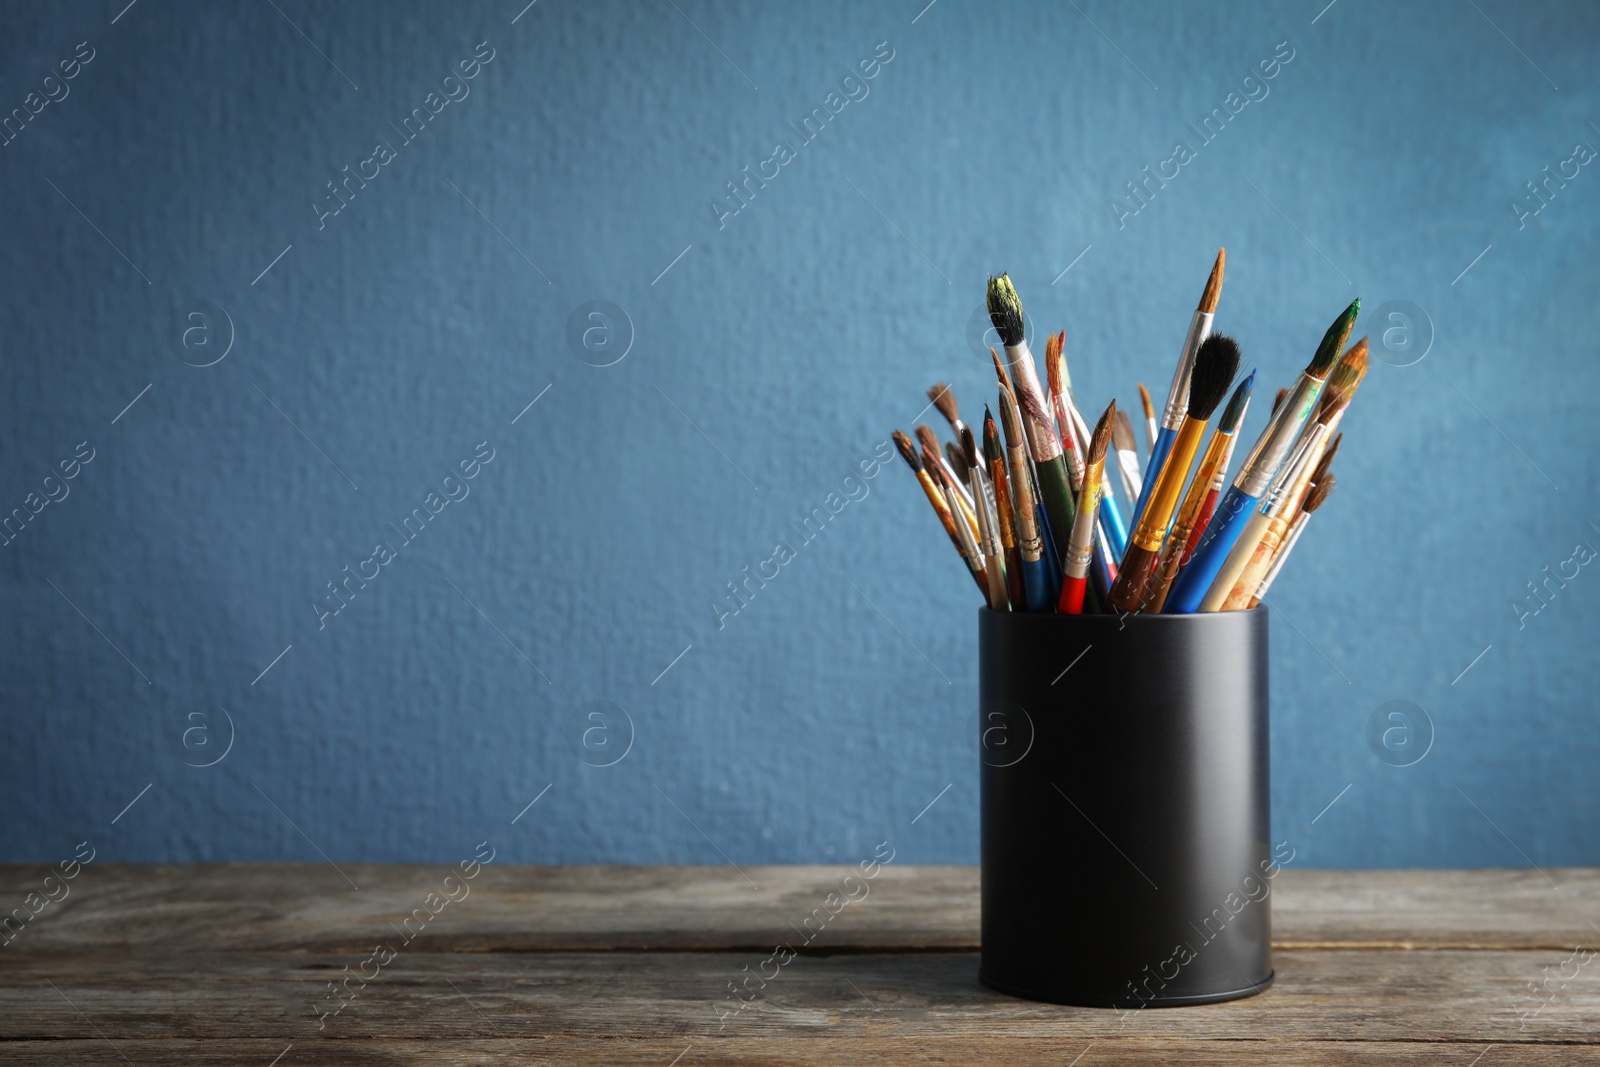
(1314, 500)
(1203, 491)
(1080, 551)
(1150, 429)
(1215, 364)
(994, 454)
(1178, 394)
(1280, 500)
(1055, 487)
(936, 498)
(1259, 469)
(1030, 545)
(994, 567)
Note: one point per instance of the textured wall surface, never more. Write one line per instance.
(171, 205)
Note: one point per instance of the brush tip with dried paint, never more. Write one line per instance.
(1213, 290)
(1352, 368)
(908, 452)
(1333, 341)
(1005, 310)
(926, 437)
(1215, 364)
(1233, 414)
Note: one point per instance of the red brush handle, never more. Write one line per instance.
(1072, 590)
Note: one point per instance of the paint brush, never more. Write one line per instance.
(1178, 394)
(1127, 456)
(936, 497)
(994, 454)
(1277, 401)
(1215, 364)
(1005, 312)
(1259, 469)
(1246, 590)
(971, 549)
(994, 567)
(1284, 498)
(1150, 429)
(1202, 495)
(1030, 545)
(943, 399)
(1314, 500)
(1080, 551)
(945, 464)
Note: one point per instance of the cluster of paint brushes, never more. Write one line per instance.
(1035, 515)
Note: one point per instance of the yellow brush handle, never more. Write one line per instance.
(1169, 484)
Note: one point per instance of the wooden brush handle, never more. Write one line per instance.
(1138, 567)
(1250, 579)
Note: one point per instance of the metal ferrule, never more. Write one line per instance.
(1296, 471)
(1178, 394)
(1262, 464)
(969, 544)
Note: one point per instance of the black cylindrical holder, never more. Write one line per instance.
(1125, 807)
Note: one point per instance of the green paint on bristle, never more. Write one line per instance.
(1333, 341)
(1233, 414)
(1005, 310)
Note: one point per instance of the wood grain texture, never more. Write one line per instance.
(908, 909)
(233, 964)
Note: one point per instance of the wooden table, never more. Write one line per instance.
(222, 965)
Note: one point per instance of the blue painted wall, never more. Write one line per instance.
(174, 199)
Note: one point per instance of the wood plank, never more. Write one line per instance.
(907, 909)
(1357, 995)
(845, 1051)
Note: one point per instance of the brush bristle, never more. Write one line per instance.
(1352, 368)
(1054, 365)
(927, 438)
(1321, 470)
(1010, 418)
(1233, 414)
(969, 447)
(1213, 290)
(1319, 493)
(1215, 364)
(1005, 310)
(907, 452)
(1102, 435)
(1333, 341)
(991, 437)
(1144, 401)
(1000, 369)
(1334, 400)
(1277, 401)
(945, 401)
(1122, 432)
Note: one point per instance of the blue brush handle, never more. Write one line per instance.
(1158, 458)
(1229, 521)
(1110, 519)
(1036, 588)
(1053, 574)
